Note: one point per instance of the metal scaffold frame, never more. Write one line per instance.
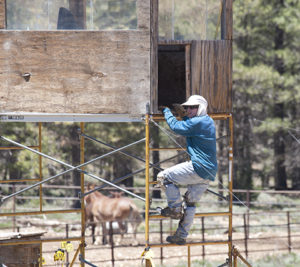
(79, 168)
(233, 253)
(41, 210)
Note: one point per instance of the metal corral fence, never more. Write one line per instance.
(247, 195)
(254, 233)
(282, 233)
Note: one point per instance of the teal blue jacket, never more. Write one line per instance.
(200, 133)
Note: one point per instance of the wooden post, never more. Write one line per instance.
(41, 255)
(189, 256)
(188, 70)
(77, 7)
(154, 55)
(227, 20)
(248, 224)
(248, 198)
(111, 239)
(67, 236)
(289, 231)
(246, 235)
(14, 207)
(203, 237)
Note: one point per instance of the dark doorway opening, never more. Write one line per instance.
(171, 74)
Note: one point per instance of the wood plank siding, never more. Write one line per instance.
(227, 23)
(112, 71)
(20, 255)
(211, 71)
(105, 72)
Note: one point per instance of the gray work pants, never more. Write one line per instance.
(184, 174)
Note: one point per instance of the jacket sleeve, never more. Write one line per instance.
(184, 127)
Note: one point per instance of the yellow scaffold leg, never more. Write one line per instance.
(148, 255)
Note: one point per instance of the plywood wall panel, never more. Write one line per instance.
(211, 70)
(75, 71)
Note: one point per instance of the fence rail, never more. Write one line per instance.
(284, 232)
(245, 235)
(248, 202)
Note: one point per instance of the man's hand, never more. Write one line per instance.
(161, 108)
(180, 110)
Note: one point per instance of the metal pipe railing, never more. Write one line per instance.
(113, 147)
(72, 168)
(117, 180)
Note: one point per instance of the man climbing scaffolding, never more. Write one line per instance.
(199, 130)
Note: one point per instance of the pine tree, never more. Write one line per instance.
(266, 75)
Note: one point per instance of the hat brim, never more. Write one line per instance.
(190, 103)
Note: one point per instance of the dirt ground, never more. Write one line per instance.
(128, 253)
(101, 255)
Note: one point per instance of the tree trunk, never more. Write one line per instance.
(242, 152)
(279, 152)
(14, 171)
(279, 146)
(295, 151)
(242, 171)
(123, 166)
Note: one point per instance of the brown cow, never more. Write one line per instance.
(101, 209)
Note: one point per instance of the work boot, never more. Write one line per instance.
(172, 213)
(175, 239)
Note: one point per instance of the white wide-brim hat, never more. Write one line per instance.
(197, 100)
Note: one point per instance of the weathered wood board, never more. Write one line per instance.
(211, 71)
(75, 72)
(228, 20)
(25, 255)
(107, 72)
(86, 72)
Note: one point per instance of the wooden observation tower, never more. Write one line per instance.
(114, 61)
